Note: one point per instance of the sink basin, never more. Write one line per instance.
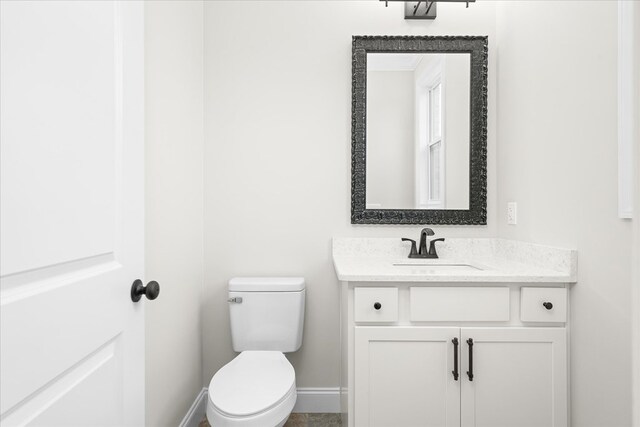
(437, 267)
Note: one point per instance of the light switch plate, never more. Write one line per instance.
(512, 213)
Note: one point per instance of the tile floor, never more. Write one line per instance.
(304, 420)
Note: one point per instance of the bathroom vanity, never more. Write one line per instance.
(477, 337)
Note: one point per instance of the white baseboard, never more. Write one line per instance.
(197, 411)
(310, 400)
(318, 400)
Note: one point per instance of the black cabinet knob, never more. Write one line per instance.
(377, 306)
(151, 291)
(547, 305)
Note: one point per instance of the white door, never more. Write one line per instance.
(404, 376)
(519, 377)
(72, 340)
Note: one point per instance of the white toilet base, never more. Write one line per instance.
(274, 417)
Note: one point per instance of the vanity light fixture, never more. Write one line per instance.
(424, 9)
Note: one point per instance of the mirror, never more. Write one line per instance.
(419, 130)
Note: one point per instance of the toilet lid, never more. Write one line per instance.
(251, 383)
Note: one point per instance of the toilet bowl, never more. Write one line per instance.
(256, 389)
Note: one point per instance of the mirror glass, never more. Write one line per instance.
(418, 130)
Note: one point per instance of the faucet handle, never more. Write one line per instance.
(432, 246)
(414, 251)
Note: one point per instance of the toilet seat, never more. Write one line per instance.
(256, 385)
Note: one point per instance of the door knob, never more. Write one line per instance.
(151, 291)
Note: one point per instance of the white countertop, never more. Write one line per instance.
(491, 260)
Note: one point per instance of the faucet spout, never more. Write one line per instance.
(423, 240)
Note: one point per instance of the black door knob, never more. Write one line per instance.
(547, 305)
(377, 306)
(151, 291)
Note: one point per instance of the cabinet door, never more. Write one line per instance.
(519, 377)
(403, 377)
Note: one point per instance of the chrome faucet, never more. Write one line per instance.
(423, 252)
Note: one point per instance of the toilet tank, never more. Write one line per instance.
(266, 313)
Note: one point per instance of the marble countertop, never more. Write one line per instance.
(461, 260)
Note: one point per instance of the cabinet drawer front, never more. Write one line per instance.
(543, 305)
(454, 304)
(376, 304)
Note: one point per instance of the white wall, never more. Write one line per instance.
(390, 139)
(174, 191)
(557, 157)
(278, 154)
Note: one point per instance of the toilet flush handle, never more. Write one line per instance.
(237, 300)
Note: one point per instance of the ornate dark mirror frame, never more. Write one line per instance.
(477, 47)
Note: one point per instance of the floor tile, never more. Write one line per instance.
(304, 420)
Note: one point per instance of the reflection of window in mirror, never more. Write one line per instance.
(430, 142)
(435, 145)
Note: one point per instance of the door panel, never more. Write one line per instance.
(76, 387)
(71, 230)
(519, 377)
(59, 97)
(403, 377)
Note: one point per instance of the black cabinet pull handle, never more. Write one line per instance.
(377, 306)
(470, 371)
(151, 291)
(547, 305)
(455, 359)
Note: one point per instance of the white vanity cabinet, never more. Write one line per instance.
(412, 361)
(493, 311)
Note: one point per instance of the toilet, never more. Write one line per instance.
(258, 387)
